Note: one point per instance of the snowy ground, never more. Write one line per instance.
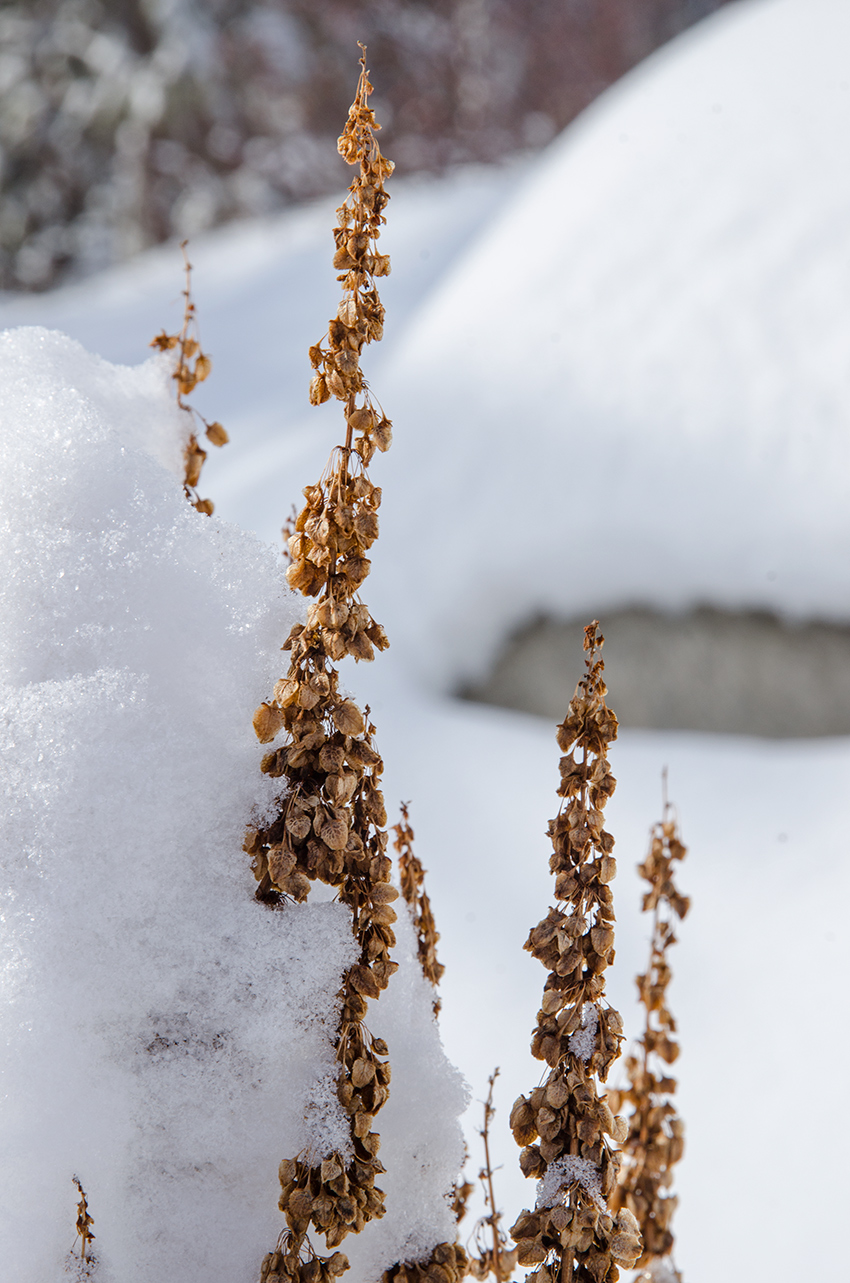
(618, 375)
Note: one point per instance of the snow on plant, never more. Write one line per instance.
(572, 1234)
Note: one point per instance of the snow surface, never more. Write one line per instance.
(620, 376)
(167, 1038)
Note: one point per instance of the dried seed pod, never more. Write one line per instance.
(570, 1234)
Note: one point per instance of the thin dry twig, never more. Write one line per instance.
(192, 367)
(84, 1222)
(493, 1254)
(655, 1141)
(412, 877)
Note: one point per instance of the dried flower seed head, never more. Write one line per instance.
(565, 1126)
(655, 1139)
(330, 825)
(191, 368)
(413, 889)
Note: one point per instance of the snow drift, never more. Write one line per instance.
(166, 1038)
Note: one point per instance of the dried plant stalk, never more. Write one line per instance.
(494, 1255)
(655, 1141)
(412, 877)
(447, 1262)
(192, 367)
(330, 825)
(564, 1124)
(84, 1223)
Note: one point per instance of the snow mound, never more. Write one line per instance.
(166, 1038)
(633, 389)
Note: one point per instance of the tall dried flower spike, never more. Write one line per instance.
(330, 822)
(191, 368)
(655, 1141)
(564, 1125)
(412, 876)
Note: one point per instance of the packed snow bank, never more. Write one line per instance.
(166, 1038)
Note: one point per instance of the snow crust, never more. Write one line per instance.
(165, 1037)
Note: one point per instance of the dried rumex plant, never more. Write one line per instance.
(412, 876)
(85, 1234)
(564, 1124)
(655, 1141)
(330, 823)
(191, 368)
(494, 1255)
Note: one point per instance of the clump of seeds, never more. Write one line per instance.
(564, 1125)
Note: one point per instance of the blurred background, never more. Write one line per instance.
(672, 256)
(126, 122)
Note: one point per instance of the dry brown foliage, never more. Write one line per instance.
(84, 1222)
(447, 1264)
(330, 824)
(461, 1192)
(655, 1141)
(564, 1124)
(191, 368)
(412, 877)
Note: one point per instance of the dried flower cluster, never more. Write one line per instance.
(192, 367)
(655, 1141)
(330, 825)
(447, 1263)
(412, 877)
(313, 1270)
(565, 1123)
